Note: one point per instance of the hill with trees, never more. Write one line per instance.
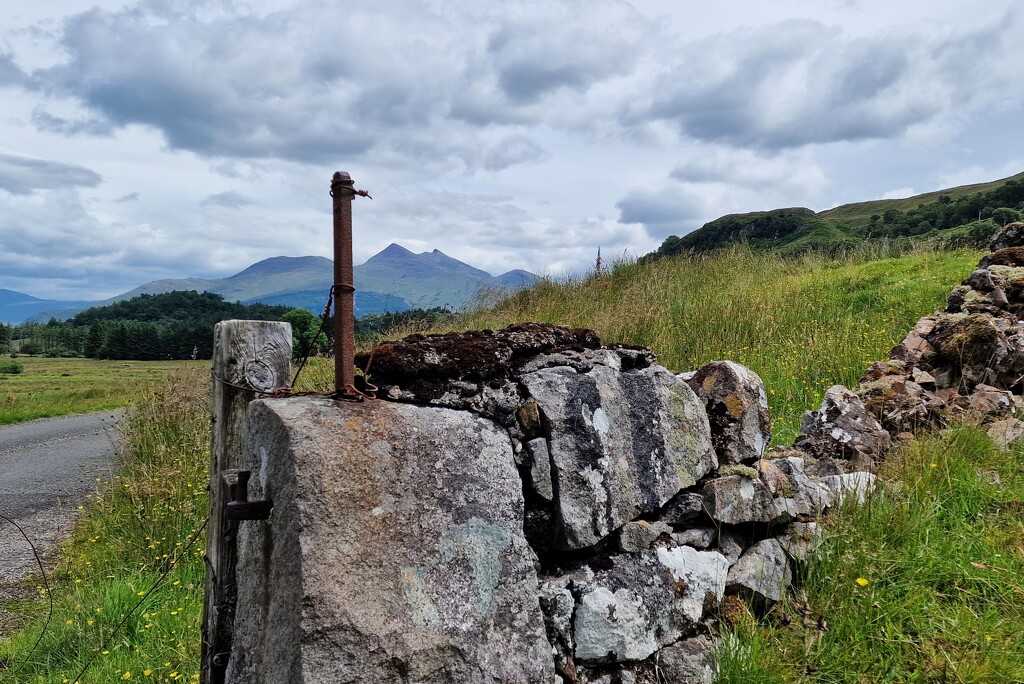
(965, 216)
(175, 325)
(179, 325)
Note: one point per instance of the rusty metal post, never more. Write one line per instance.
(343, 191)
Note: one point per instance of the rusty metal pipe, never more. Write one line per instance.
(343, 191)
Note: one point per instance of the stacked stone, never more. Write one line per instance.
(965, 363)
(648, 496)
(651, 497)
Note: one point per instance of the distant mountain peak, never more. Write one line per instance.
(392, 251)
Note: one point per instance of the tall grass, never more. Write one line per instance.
(924, 584)
(802, 323)
(130, 530)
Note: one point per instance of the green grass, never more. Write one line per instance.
(57, 387)
(130, 530)
(803, 323)
(942, 553)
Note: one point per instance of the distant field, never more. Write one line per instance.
(57, 387)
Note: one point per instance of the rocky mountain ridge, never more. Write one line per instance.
(394, 280)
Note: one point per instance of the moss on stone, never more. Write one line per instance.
(741, 470)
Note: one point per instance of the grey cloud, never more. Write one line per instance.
(789, 171)
(564, 45)
(226, 200)
(799, 82)
(659, 210)
(10, 73)
(24, 175)
(398, 80)
(45, 121)
(130, 197)
(515, 149)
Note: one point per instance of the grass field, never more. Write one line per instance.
(940, 554)
(57, 387)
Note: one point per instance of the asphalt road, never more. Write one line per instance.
(46, 469)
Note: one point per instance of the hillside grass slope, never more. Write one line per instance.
(802, 323)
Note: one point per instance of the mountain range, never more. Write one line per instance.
(394, 280)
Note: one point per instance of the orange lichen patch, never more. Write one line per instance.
(734, 405)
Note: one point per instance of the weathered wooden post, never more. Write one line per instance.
(249, 358)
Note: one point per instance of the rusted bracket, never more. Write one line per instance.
(240, 508)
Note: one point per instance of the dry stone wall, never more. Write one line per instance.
(527, 505)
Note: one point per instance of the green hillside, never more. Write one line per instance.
(964, 216)
(802, 322)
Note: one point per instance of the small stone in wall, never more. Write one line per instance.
(644, 602)
(809, 496)
(975, 343)
(538, 462)
(843, 429)
(923, 378)
(637, 536)
(1011, 256)
(528, 416)
(858, 485)
(762, 573)
(800, 540)
(736, 499)
(732, 544)
(682, 509)
(698, 537)
(689, 661)
(1012, 235)
(915, 347)
(989, 402)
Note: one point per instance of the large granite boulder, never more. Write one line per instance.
(621, 444)
(395, 551)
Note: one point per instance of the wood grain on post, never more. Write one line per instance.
(246, 354)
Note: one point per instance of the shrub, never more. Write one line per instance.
(11, 367)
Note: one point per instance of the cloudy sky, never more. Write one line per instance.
(171, 138)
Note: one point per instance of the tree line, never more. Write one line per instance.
(1000, 206)
(179, 325)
